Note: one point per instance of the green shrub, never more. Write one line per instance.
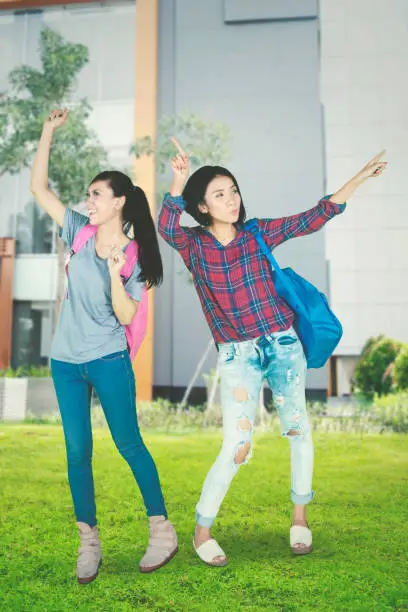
(391, 412)
(26, 372)
(401, 369)
(10, 373)
(370, 344)
(374, 370)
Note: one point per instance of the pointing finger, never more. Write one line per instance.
(378, 157)
(178, 146)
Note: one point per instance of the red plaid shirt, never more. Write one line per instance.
(234, 282)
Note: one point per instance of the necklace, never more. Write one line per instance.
(104, 249)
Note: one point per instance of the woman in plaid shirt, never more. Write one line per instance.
(251, 325)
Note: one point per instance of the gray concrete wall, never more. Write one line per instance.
(261, 78)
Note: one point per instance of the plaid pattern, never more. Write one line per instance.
(234, 282)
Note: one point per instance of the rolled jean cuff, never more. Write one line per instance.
(301, 500)
(204, 521)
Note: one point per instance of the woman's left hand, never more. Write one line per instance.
(116, 260)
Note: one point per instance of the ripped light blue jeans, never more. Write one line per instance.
(279, 359)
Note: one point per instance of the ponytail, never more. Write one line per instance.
(137, 219)
(137, 216)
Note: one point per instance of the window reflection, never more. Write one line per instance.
(31, 334)
(34, 230)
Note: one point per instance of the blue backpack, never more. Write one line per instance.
(316, 325)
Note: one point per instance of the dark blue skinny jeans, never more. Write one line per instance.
(113, 379)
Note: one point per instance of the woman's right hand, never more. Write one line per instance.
(180, 166)
(56, 118)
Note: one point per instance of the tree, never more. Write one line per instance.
(76, 154)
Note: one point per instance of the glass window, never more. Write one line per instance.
(34, 230)
(31, 340)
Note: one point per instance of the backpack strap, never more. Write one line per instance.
(82, 237)
(253, 227)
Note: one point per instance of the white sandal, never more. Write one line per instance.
(300, 535)
(208, 551)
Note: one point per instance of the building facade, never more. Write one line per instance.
(299, 87)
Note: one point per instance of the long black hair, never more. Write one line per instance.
(195, 188)
(138, 218)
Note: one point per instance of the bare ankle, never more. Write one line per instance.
(299, 515)
(202, 533)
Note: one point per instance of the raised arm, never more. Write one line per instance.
(301, 224)
(304, 223)
(173, 205)
(39, 173)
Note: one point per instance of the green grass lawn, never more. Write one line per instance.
(359, 522)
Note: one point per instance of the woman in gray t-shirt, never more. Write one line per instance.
(89, 349)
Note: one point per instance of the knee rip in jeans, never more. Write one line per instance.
(244, 446)
(295, 432)
(241, 394)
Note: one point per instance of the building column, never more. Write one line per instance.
(145, 168)
(7, 251)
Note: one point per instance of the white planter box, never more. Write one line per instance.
(41, 398)
(13, 399)
(23, 397)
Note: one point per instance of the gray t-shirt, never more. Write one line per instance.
(88, 327)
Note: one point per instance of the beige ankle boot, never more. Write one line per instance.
(90, 555)
(162, 544)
